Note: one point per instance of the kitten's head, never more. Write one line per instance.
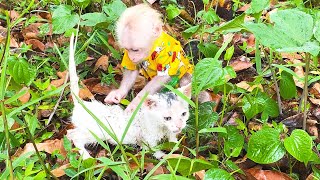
(168, 109)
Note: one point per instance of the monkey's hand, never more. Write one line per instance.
(115, 96)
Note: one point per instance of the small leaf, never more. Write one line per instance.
(258, 6)
(63, 19)
(287, 86)
(21, 70)
(299, 145)
(190, 31)
(172, 11)
(233, 142)
(233, 25)
(216, 173)
(205, 1)
(92, 19)
(215, 129)
(114, 9)
(187, 166)
(210, 16)
(82, 3)
(209, 50)
(229, 53)
(316, 30)
(265, 146)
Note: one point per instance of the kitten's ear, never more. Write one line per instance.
(150, 101)
(186, 90)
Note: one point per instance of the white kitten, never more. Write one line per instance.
(161, 115)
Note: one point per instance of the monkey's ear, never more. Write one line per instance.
(150, 102)
(157, 29)
(186, 90)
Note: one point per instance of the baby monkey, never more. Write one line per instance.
(148, 49)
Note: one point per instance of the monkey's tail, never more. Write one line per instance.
(74, 79)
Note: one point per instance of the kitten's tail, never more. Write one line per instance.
(74, 79)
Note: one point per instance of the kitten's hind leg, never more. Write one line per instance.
(79, 140)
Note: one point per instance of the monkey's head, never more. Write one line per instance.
(137, 29)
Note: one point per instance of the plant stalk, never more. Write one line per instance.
(305, 91)
(197, 125)
(48, 173)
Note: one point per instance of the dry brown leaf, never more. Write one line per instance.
(60, 170)
(102, 62)
(45, 15)
(150, 166)
(267, 174)
(140, 82)
(13, 15)
(113, 42)
(62, 75)
(13, 43)
(244, 8)
(215, 98)
(15, 126)
(315, 101)
(32, 31)
(3, 34)
(254, 126)
(45, 112)
(100, 89)
(315, 90)
(200, 175)
(239, 65)
(299, 72)
(85, 93)
(313, 131)
(246, 86)
(36, 44)
(291, 56)
(56, 83)
(48, 146)
(26, 97)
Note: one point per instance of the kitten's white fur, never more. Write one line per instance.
(160, 116)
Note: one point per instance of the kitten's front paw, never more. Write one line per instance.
(159, 154)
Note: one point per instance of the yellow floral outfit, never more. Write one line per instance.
(166, 58)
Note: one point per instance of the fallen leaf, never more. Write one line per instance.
(113, 42)
(13, 43)
(254, 126)
(3, 34)
(85, 93)
(62, 75)
(291, 56)
(56, 83)
(58, 172)
(199, 175)
(315, 101)
(316, 113)
(299, 72)
(240, 64)
(36, 44)
(48, 146)
(140, 82)
(315, 90)
(45, 112)
(91, 83)
(244, 8)
(26, 97)
(313, 131)
(215, 98)
(248, 87)
(13, 15)
(267, 174)
(15, 126)
(45, 15)
(100, 89)
(32, 31)
(150, 166)
(102, 62)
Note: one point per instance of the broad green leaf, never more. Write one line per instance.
(32, 123)
(67, 144)
(234, 167)
(172, 11)
(190, 31)
(187, 166)
(287, 86)
(228, 70)
(233, 142)
(271, 108)
(217, 174)
(257, 6)
(265, 146)
(215, 129)
(210, 16)
(114, 9)
(82, 3)
(317, 30)
(92, 19)
(205, 1)
(233, 25)
(292, 32)
(299, 145)
(209, 50)
(21, 70)
(81, 57)
(63, 19)
(229, 53)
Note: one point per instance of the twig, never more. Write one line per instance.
(60, 98)
(305, 91)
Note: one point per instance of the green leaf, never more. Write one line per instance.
(229, 53)
(32, 123)
(234, 167)
(299, 145)
(92, 19)
(217, 174)
(233, 25)
(168, 176)
(210, 16)
(186, 166)
(233, 142)
(207, 117)
(67, 144)
(82, 3)
(63, 19)
(317, 30)
(215, 129)
(190, 31)
(287, 86)
(81, 57)
(21, 70)
(114, 9)
(209, 50)
(258, 6)
(292, 32)
(205, 1)
(172, 11)
(265, 146)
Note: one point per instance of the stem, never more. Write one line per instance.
(305, 91)
(3, 70)
(197, 125)
(274, 78)
(224, 103)
(48, 173)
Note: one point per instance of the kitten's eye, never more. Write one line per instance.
(184, 113)
(167, 118)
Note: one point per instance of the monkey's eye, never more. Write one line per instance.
(167, 118)
(135, 50)
(184, 113)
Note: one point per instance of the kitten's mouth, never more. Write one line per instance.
(177, 131)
